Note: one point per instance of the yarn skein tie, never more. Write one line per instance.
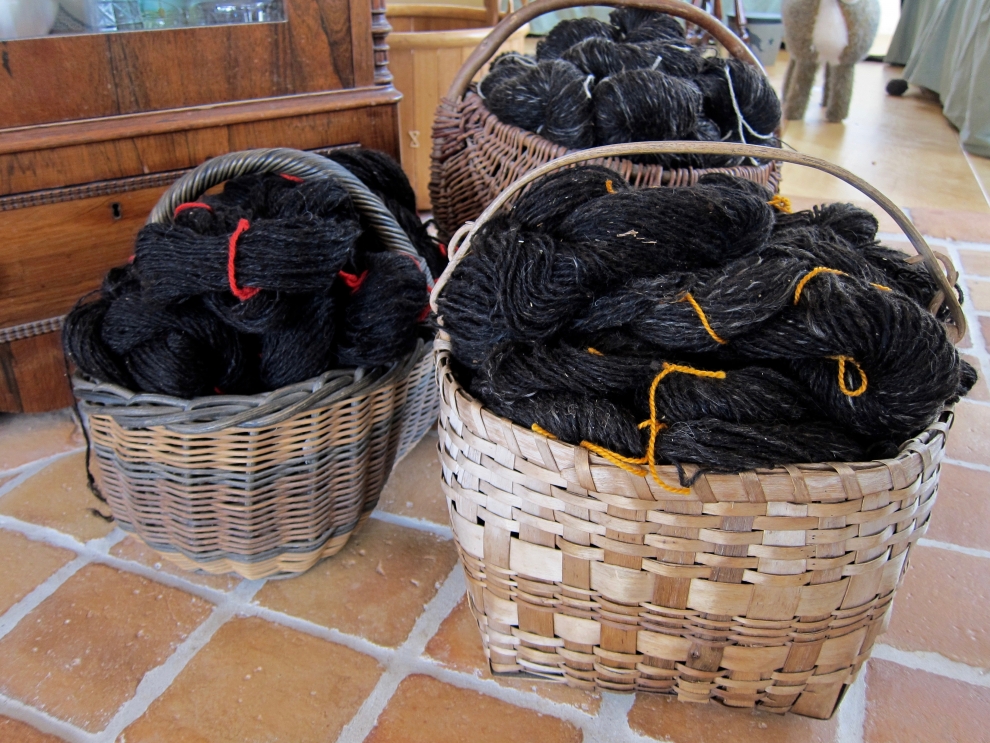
(592, 83)
(699, 326)
(272, 281)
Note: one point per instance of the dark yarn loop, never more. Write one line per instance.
(273, 281)
(634, 80)
(697, 326)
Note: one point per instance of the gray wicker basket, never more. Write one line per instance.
(269, 483)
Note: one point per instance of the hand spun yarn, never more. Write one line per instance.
(639, 24)
(749, 108)
(745, 349)
(641, 105)
(251, 289)
(570, 32)
(549, 201)
(393, 288)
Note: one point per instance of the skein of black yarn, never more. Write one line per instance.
(638, 24)
(754, 96)
(382, 314)
(765, 338)
(569, 32)
(641, 105)
(173, 325)
(301, 252)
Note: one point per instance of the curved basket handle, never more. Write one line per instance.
(517, 19)
(290, 162)
(460, 244)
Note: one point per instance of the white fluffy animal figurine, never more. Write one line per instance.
(838, 33)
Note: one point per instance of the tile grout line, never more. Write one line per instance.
(969, 161)
(157, 681)
(398, 666)
(429, 527)
(934, 663)
(949, 547)
(967, 465)
(36, 465)
(12, 617)
(611, 724)
(43, 721)
(852, 712)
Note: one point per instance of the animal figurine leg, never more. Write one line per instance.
(839, 91)
(828, 67)
(799, 89)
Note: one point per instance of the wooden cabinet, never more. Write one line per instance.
(94, 127)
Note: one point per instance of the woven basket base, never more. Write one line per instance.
(284, 565)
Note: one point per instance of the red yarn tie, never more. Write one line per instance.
(293, 178)
(353, 281)
(246, 292)
(424, 314)
(190, 205)
(443, 249)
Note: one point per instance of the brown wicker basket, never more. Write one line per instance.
(268, 483)
(766, 588)
(475, 156)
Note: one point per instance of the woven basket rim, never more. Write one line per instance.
(213, 413)
(920, 447)
(637, 172)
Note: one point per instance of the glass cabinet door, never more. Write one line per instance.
(32, 18)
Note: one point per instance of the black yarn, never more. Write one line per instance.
(301, 252)
(641, 105)
(179, 350)
(638, 24)
(656, 230)
(636, 80)
(394, 287)
(743, 318)
(302, 345)
(570, 32)
(172, 322)
(547, 203)
(754, 95)
(729, 447)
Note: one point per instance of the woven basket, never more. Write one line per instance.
(268, 483)
(475, 156)
(766, 588)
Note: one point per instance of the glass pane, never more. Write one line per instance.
(32, 18)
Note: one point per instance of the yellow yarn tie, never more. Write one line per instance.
(812, 274)
(633, 464)
(542, 431)
(842, 376)
(704, 320)
(594, 351)
(781, 203)
(881, 287)
(609, 187)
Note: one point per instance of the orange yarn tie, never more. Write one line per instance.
(881, 287)
(812, 274)
(537, 428)
(634, 464)
(842, 376)
(242, 293)
(704, 320)
(609, 187)
(594, 351)
(781, 203)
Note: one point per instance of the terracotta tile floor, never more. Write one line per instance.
(101, 640)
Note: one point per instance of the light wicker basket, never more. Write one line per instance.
(475, 156)
(269, 483)
(766, 588)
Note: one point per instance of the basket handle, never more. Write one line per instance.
(460, 244)
(517, 19)
(290, 162)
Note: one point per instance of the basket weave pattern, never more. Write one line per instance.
(261, 500)
(764, 588)
(476, 157)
